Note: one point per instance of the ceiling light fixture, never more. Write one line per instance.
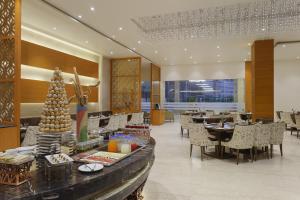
(218, 55)
(120, 28)
(283, 45)
(54, 28)
(156, 52)
(185, 49)
(191, 57)
(139, 42)
(133, 48)
(111, 52)
(92, 8)
(80, 16)
(249, 44)
(165, 59)
(219, 61)
(298, 57)
(86, 41)
(263, 29)
(218, 47)
(113, 36)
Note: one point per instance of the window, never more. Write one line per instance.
(202, 91)
(146, 91)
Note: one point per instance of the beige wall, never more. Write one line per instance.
(105, 85)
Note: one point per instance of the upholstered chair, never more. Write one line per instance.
(209, 113)
(277, 136)
(113, 123)
(135, 119)
(30, 138)
(242, 138)
(297, 124)
(93, 123)
(262, 137)
(141, 118)
(184, 121)
(123, 120)
(236, 117)
(287, 118)
(199, 136)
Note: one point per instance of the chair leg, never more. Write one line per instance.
(281, 150)
(237, 156)
(181, 131)
(255, 153)
(268, 156)
(188, 132)
(251, 154)
(271, 149)
(202, 149)
(191, 150)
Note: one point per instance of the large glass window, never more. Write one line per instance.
(146, 93)
(202, 91)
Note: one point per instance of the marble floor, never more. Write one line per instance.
(176, 176)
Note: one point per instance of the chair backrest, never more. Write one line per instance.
(277, 133)
(185, 120)
(30, 136)
(286, 117)
(209, 113)
(263, 134)
(113, 123)
(135, 119)
(198, 134)
(122, 121)
(141, 118)
(93, 123)
(243, 136)
(236, 117)
(297, 120)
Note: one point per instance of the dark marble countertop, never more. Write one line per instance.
(87, 186)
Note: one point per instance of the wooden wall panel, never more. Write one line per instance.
(43, 57)
(248, 86)
(36, 91)
(263, 79)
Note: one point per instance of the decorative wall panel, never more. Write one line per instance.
(10, 37)
(126, 85)
(155, 85)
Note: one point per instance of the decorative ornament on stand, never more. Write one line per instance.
(82, 113)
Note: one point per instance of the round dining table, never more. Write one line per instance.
(220, 133)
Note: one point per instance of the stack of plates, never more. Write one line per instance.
(47, 144)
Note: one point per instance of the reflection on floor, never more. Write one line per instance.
(176, 176)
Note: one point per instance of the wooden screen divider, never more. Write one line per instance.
(155, 85)
(125, 85)
(10, 43)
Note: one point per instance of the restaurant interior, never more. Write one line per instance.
(153, 100)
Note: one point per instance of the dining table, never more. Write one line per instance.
(212, 119)
(220, 132)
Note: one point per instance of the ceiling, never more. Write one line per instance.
(109, 17)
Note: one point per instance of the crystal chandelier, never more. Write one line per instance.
(254, 18)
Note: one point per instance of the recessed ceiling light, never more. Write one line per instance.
(128, 60)
(111, 52)
(263, 29)
(86, 41)
(165, 58)
(120, 28)
(156, 52)
(133, 48)
(249, 53)
(218, 55)
(249, 44)
(113, 36)
(192, 36)
(80, 16)
(191, 57)
(219, 61)
(283, 45)
(139, 42)
(218, 47)
(245, 59)
(298, 57)
(92, 8)
(185, 49)
(54, 28)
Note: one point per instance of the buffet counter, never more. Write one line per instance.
(123, 180)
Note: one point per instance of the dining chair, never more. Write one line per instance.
(242, 139)
(135, 119)
(297, 124)
(236, 117)
(287, 118)
(262, 137)
(141, 118)
(277, 136)
(113, 123)
(122, 121)
(93, 123)
(209, 113)
(30, 138)
(199, 136)
(184, 121)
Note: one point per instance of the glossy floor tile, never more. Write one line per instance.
(176, 176)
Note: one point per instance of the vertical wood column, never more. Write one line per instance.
(248, 86)
(262, 75)
(10, 56)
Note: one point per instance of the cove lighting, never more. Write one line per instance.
(58, 40)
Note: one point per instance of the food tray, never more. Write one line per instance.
(58, 159)
(112, 158)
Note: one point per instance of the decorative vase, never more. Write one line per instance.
(82, 121)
